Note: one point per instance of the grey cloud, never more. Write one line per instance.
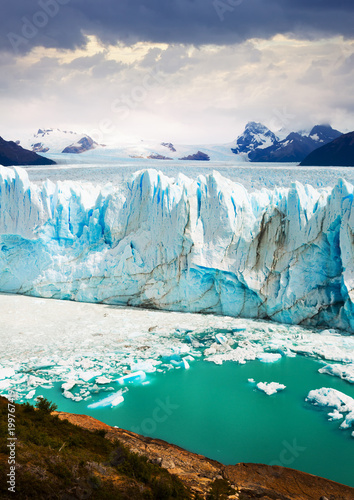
(171, 21)
(347, 66)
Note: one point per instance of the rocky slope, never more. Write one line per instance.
(11, 154)
(82, 145)
(339, 152)
(199, 156)
(199, 473)
(62, 456)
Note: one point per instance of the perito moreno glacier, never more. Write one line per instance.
(205, 245)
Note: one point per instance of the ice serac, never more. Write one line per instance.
(177, 244)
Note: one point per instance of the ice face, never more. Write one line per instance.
(205, 245)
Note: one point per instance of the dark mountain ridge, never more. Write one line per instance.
(338, 153)
(11, 154)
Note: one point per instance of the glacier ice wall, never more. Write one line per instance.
(177, 244)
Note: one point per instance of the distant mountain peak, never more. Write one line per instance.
(260, 144)
(256, 135)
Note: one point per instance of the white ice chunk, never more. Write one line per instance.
(118, 400)
(31, 394)
(138, 376)
(86, 376)
(112, 400)
(271, 387)
(33, 381)
(335, 415)
(268, 357)
(6, 373)
(221, 339)
(349, 420)
(345, 372)
(68, 395)
(103, 380)
(67, 386)
(331, 397)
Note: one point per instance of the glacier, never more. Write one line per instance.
(204, 245)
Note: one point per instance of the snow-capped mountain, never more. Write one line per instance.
(256, 144)
(61, 145)
(55, 141)
(150, 150)
(255, 136)
(261, 145)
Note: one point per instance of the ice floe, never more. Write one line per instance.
(345, 372)
(329, 397)
(270, 387)
(138, 376)
(268, 357)
(112, 400)
(80, 345)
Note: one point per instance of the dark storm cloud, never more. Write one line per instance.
(61, 23)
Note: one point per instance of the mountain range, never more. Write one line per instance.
(257, 143)
(260, 144)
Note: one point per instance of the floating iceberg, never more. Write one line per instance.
(270, 387)
(328, 397)
(205, 245)
(345, 372)
(335, 415)
(112, 400)
(103, 380)
(138, 376)
(67, 386)
(31, 394)
(269, 357)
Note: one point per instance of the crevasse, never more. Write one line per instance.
(182, 245)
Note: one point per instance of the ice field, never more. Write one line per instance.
(89, 347)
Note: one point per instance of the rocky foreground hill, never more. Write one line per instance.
(66, 456)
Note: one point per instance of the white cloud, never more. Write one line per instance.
(179, 92)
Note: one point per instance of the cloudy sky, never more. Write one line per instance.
(189, 71)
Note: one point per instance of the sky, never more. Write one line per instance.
(185, 71)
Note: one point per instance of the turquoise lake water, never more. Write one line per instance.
(213, 410)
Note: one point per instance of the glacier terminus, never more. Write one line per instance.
(204, 245)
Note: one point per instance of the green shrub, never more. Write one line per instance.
(45, 406)
(220, 490)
